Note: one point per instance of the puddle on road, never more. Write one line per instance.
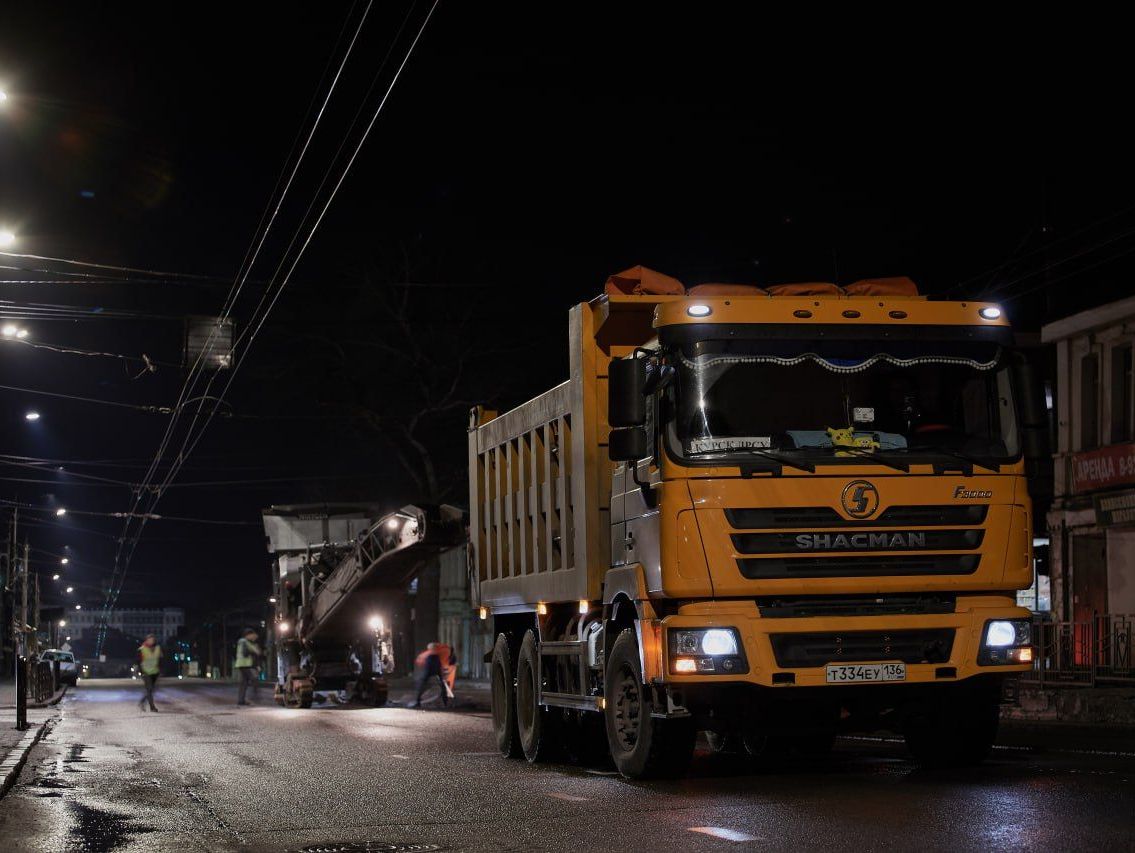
(99, 830)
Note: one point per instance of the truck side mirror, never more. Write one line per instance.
(1033, 412)
(627, 444)
(626, 393)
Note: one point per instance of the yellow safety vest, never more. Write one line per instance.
(151, 655)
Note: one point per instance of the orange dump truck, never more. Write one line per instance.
(766, 515)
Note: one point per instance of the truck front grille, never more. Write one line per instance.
(918, 646)
(776, 568)
(824, 516)
(905, 540)
(780, 607)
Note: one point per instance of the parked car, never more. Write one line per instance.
(68, 666)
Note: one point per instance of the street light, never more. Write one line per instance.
(61, 511)
(62, 623)
(55, 577)
(70, 588)
(375, 623)
(65, 560)
(78, 607)
(31, 416)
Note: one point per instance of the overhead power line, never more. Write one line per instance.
(124, 554)
(115, 267)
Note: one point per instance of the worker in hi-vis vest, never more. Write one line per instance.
(247, 664)
(149, 663)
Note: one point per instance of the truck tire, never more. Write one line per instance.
(955, 733)
(536, 724)
(503, 682)
(641, 746)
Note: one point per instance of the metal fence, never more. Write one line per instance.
(1084, 654)
(41, 681)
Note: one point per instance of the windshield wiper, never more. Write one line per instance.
(784, 460)
(772, 457)
(964, 457)
(860, 453)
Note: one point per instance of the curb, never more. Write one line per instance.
(13, 762)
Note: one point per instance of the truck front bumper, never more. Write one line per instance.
(796, 652)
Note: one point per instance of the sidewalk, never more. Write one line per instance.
(14, 743)
(1101, 707)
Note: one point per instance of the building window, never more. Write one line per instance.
(1089, 402)
(1122, 413)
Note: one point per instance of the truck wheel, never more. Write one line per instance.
(641, 746)
(535, 723)
(504, 700)
(953, 734)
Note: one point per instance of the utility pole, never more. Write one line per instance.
(24, 603)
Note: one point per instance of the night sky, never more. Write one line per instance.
(521, 158)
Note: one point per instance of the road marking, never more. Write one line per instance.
(403, 757)
(727, 834)
(492, 752)
(571, 798)
(603, 772)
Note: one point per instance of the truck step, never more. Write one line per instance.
(571, 700)
(563, 647)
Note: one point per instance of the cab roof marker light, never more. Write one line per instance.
(699, 310)
(989, 312)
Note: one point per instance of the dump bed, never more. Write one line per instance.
(539, 476)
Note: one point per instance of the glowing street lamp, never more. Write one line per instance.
(375, 623)
(60, 512)
(62, 623)
(55, 577)
(70, 589)
(65, 560)
(31, 416)
(78, 607)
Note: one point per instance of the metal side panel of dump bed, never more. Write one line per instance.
(385, 558)
(539, 476)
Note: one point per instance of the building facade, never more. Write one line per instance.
(1092, 520)
(136, 623)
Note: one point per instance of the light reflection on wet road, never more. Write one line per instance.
(204, 774)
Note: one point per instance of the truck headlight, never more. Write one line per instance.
(1002, 633)
(1006, 641)
(716, 650)
(718, 642)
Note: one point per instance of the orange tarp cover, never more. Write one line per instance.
(896, 286)
(640, 280)
(713, 289)
(812, 288)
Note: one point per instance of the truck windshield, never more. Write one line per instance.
(843, 400)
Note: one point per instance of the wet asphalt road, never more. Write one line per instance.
(206, 775)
